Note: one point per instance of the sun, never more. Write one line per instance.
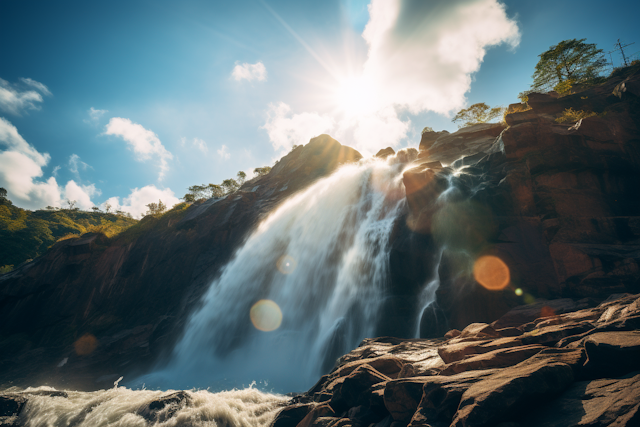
(355, 95)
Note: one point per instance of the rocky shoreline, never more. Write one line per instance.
(575, 368)
(579, 368)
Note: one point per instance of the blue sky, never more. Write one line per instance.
(143, 98)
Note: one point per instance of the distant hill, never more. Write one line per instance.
(25, 234)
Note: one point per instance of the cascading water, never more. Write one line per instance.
(322, 258)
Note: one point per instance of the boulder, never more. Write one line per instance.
(458, 351)
(613, 353)
(162, 409)
(352, 390)
(494, 359)
(597, 403)
(385, 152)
(503, 395)
(290, 416)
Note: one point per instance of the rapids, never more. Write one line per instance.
(122, 407)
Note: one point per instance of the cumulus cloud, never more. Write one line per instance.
(421, 57)
(422, 54)
(81, 194)
(14, 99)
(137, 201)
(250, 72)
(21, 167)
(286, 129)
(224, 152)
(143, 142)
(95, 115)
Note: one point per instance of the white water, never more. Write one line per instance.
(330, 287)
(121, 407)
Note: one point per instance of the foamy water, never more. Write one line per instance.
(124, 407)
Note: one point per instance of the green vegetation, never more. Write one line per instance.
(477, 113)
(571, 115)
(25, 234)
(262, 171)
(228, 186)
(570, 60)
(427, 129)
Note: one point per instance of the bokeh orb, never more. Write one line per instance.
(519, 292)
(286, 264)
(265, 315)
(85, 345)
(491, 272)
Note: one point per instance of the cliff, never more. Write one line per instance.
(556, 202)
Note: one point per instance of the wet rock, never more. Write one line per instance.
(613, 353)
(290, 416)
(165, 407)
(353, 389)
(527, 313)
(11, 405)
(320, 411)
(494, 359)
(550, 335)
(385, 152)
(458, 351)
(441, 397)
(597, 403)
(502, 395)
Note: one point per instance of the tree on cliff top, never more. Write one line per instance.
(570, 60)
(477, 113)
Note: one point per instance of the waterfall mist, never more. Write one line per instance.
(322, 258)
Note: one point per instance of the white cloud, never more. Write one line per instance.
(95, 115)
(421, 57)
(143, 142)
(422, 54)
(75, 165)
(197, 143)
(250, 72)
(21, 174)
(81, 194)
(15, 100)
(137, 201)
(224, 152)
(55, 170)
(20, 167)
(37, 85)
(286, 129)
(200, 145)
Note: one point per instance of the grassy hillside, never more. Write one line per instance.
(25, 234)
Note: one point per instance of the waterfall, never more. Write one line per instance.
(320, 261)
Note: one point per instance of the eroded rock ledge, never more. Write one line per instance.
(577, 368)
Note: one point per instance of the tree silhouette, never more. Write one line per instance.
(477, 113)
(570, 60)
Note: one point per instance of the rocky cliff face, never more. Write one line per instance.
(557, 203)
(90, 309)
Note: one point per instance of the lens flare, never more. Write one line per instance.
(519, 292)
(491, 272)
(286, 264)
(266, 315)
(85, 345)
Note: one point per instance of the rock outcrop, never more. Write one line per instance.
(577, 368)
(558, 203)
(92, 309)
